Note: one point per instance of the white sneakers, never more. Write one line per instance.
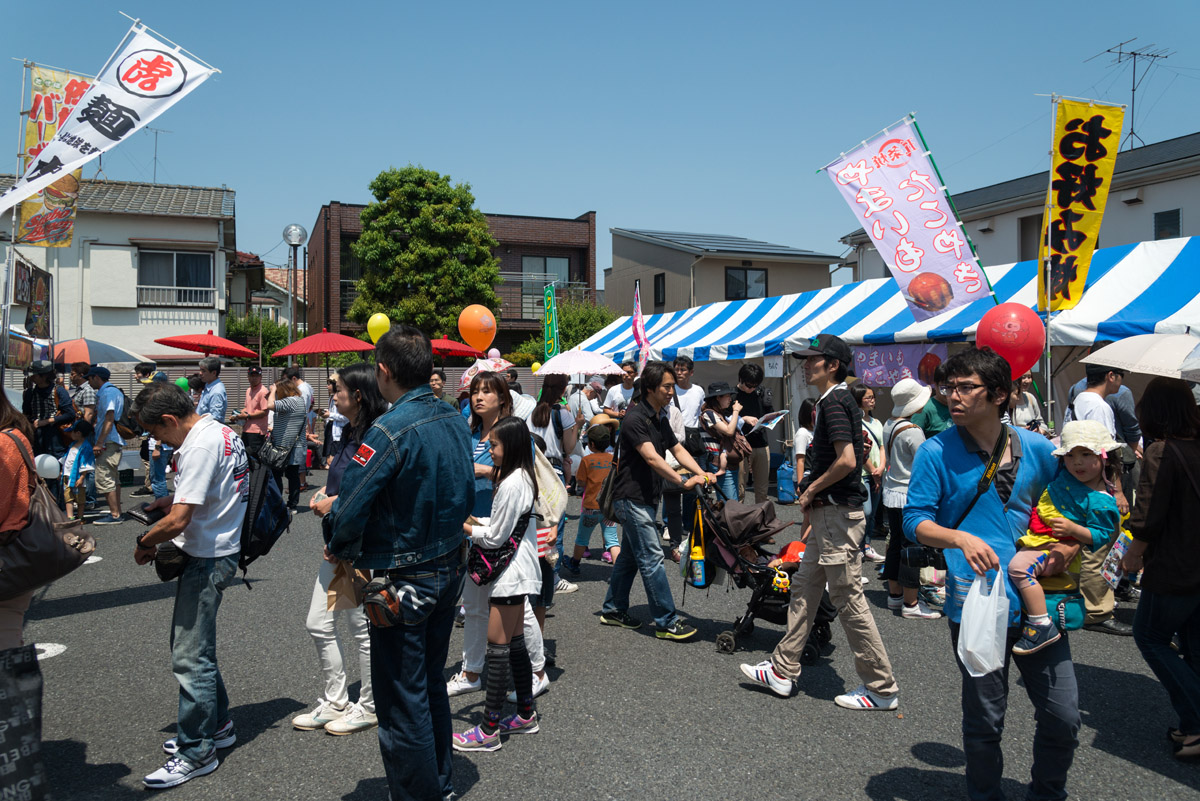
(540, 685)
(459, 684)
(224, 738)
(178, 770)
(918, 612)
(764, 674)
(872, 555)
(895, 603)
(862, 698)
(355, 719)
(324, 713)
(565, 587)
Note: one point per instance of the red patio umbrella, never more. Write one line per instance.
(208, 344)
(448, 347)
(324, 342)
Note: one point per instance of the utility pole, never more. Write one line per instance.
(156, 131)
(1148, 52)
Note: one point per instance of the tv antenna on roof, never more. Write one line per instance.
(1150, 52)
(156, 131)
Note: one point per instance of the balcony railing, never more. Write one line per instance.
(176, 296)
(521, 295)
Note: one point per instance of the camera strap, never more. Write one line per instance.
(989, 473)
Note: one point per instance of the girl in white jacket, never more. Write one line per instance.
(516, 489)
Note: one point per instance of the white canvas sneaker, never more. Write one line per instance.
(764, 674)
(459, 684)
(920, 612)
(355, 719)
(862, 698)
(325, 712)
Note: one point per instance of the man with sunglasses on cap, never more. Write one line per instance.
(832, 497)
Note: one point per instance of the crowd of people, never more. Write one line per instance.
(430, 511)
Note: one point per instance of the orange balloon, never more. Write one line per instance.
(477, 325)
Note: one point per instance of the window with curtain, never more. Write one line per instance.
(169, 278)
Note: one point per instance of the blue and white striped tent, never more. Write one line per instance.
(1150, 287)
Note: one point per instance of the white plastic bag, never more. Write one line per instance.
(983, 634)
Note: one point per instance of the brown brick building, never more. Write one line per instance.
(533, 251)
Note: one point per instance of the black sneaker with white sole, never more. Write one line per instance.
(178, 770)
(224, 738)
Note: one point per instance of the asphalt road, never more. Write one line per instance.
(627, 716)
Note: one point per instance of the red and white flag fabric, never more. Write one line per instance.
(639, 328)
(141, 82)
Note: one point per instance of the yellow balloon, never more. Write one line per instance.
(535, 366)
(378, 325)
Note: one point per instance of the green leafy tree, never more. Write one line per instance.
(246, 330)
(578, 319)
(425, 250)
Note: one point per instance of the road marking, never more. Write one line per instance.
(93, 559)
(45, 650)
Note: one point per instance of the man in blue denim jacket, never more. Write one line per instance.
(945, 477)
(401, 509)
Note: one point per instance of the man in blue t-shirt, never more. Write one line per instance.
(945, 479)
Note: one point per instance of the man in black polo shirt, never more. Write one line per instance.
(645, 438)
(832, 496)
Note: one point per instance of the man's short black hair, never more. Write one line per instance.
(144, 368)
(158, 399)
(1097, 374)
(406, 353)
(683, 362)
(993, 370)
(511, 375)
(842, 371)
(652, 375)
(750, 374)
(440, 373)
(629, 364)
(293, 372)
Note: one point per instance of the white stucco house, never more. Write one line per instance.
(146, 261)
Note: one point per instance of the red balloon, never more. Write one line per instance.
(1016, 333)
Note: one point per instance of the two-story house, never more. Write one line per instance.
(1155, 194)
(146, 261)
(682, 270)
(533, 252)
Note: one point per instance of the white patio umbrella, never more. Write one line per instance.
(1151, 354)
(575, 362)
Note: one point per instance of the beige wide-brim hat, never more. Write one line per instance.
(909, 397)
(1090, 434)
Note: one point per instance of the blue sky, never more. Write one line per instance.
(703, 117)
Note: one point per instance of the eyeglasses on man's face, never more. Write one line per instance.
(963, 388)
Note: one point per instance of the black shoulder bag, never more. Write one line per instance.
(928, 556)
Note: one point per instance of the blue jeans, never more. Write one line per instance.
(727, 483)
(89, 485)
(158, 473)
(641, 551)
(587, 524)
(1049, 677)
(203, 702)
(407, 662)
(1158, 618)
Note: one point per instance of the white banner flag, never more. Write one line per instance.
(146, 79)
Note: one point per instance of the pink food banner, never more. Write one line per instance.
(884, 365)
(891, 185)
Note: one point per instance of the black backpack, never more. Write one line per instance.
(267, 517)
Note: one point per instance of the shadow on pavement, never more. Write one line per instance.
(251, 720)
(109, 599)
(72, 777)
(466, 775)
(940, 755)
(915, 784)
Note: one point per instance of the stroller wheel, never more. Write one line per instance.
(810, 654)
(822, 634)
(744, 628)
(726, 642)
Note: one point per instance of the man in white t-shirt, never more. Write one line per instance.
(1092, 404)
(204, 520)
(619, 397)
(688, 396)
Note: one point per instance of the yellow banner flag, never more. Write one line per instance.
(48, 218)
(1086, 138)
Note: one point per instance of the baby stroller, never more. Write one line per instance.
(736, 536)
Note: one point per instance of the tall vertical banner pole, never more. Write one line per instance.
(10, 262)
(1049, 370)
